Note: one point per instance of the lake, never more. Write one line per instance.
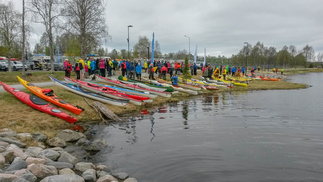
(272, 135)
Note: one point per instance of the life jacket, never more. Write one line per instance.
(77, 67)
(123, 65)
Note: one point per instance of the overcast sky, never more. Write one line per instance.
(220, 26)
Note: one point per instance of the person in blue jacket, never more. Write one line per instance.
(174, 79)
(93, 66)
(138, 71)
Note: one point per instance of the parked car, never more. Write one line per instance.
(4, 65)
(17, 65)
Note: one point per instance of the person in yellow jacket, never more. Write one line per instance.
(282, 71)
(89, 66)
(82, 71)
(216, 72)
(274, 70)
(224, 73)
(146, 66)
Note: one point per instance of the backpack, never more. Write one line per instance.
(80, 66)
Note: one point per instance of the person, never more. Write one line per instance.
(128, 68)
(86, 69)
(93, 66)
(82, 69)
(89, 66)
(151, 71)
(252, 72)
(138, 71)
(274, 69)
(109, 67)
(258, 68)
(102, 68)
(115, 66)
(282, 71)
(77, 70)
(233, 70)
(205, 72)
(65, 67)
(243, 70)
(224, 73)
(123, 68)
(195, 69)
(146, 66)
(69, 69)
(174, 80)
(163, 72)
(176, 67)
(131, 71)
(191, 66)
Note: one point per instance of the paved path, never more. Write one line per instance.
(20, 87)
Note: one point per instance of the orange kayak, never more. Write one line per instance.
(50, 97)
(270, 79)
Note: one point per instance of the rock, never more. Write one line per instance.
(82, 141)
(121, 175)
(2, 149)
(101, 167)
(89, 175)
(7, 177)
(100, 142)
(106, 178)
(58, 149)
(16, 151)
(33, 151)
(2, 161)
(13, 141)
(66, 157)
(20, 180)
(42, 171)
(32, 160)
(39, 137)
(24, 137)
(9, 156)
(63, 178)
(92, 148)
(60, 165)
(83, 166)
(41, 145)
(25, 174)
(8, 134)
(66, 171)
(50, 154)
(56, 142)
(4, 144)
(101, 173)
(5, 130)
(130, 180)
(69, 135)
(17, 164)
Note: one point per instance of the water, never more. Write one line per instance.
(274, 135)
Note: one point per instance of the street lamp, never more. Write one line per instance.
(148, 53)
(189, 47)
(247, 57)
(128, 39)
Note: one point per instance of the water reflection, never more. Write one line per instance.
(185, 114)
(152, 127)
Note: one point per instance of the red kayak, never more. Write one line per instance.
(108, 92)
(37, 103)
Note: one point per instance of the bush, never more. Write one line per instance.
(186, 72)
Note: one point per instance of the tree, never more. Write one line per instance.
(38, 49)
(47, 13)
(86, 19)
(10, 25)
(157, 52)
(124, 54)
(186, 71)
(308, 53)
(113, 54)
(140, 48)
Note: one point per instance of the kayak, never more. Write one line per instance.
(105, 91)
(38, 103)
(76, 89)
(191, 87)
(50, 97)
(147, 85)
(270, 79)
(234, 83)
(177, 88)
(131, 86)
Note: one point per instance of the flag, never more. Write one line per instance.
(204, 57)
(152, 49)
(195, 54)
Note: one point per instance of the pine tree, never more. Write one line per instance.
(186, 72)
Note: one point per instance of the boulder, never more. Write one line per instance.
(89, 175)
(9, 156)
(17, 164)
(70, 135)
(121, 175)
(58, 149)
(2, 149)
(20, 180)
(56, 142)
(24, 137)
(7, 177)
(66, 157)
(50, 154)
(130, 180)
(63, 178)
(106, 178)
(4, 144)
(42, 171)
(25, 174)
(33, 160)
(41, 145)
(83, 166)
(2, 161)
(39, 137)
(8, 134)
(33, 151)
(101, 173)
(82, 141)
(16, 151)
(66, 171)
(60, 165)
(13, 141)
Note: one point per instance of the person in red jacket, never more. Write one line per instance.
(123, 68)
(164, 71)
(102, 67)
